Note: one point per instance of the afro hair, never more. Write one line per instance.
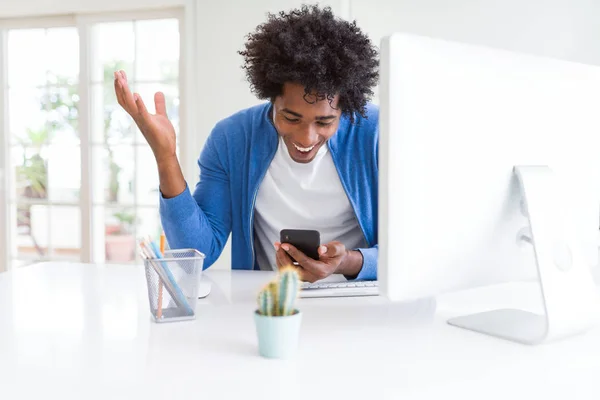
(310, 46)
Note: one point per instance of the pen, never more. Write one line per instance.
(160, 284)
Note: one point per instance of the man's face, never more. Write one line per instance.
(305, 122)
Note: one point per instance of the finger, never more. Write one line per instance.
(118, 91)
(332, 250)
(283, 259)
(128, 99)
(296, 254)
(277, 246)
(160, 104)
(278, 259)
(141, 107)
(313, 270)
(322, 250)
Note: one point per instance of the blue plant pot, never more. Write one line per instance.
(278, 336)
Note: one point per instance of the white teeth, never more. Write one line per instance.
(303, 149)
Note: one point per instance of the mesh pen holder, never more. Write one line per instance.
(173, 284)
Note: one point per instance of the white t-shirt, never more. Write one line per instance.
(302, 196)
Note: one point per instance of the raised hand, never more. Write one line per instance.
(156, 128)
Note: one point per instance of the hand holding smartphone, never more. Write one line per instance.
(307, 241)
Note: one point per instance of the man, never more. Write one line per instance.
(306, 159)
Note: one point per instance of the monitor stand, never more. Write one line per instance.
(570, 297)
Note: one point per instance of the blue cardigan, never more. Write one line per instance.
(234, 160)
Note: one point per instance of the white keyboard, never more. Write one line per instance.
(340, 289)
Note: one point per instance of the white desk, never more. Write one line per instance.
(73, 331)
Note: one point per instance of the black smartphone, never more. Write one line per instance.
(307, 241)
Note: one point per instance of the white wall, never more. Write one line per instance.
(556, 28)
(566, 29)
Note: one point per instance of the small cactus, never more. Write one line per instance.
(288, 291)
(278, 298)
(273, 290)
(265, 302)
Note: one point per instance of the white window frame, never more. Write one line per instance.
(83, 24)
(6, 183)
(4, 157)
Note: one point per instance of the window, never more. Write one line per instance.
(124, 174)
(64, 122)
(43, 70)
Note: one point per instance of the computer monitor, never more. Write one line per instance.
(489, 173)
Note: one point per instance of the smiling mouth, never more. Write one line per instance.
(304, 149)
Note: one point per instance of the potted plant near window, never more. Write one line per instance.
(120, 240)
(32, 183)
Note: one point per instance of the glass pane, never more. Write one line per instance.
(27, 116)
(64, 173)
(116, 167)
(46, 231)
(37, 57)
(110, 123)
(26, 64)
(113, 46)
(148, 222)
(29, 231)
(120, 243)
(171, 92)
(146, 176)
(30, 166)
(157, 57)
(62, 56)
(64, 231)
(62, 104)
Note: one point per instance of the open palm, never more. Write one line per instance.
(156, 128)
